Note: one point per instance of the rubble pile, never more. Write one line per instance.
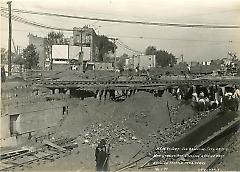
(174, 130)
(142, 119)
(144, 113)
(116, 134)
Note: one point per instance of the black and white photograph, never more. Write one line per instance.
(120, 85)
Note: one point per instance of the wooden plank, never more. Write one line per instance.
(142, 166)
(212, 136)
(135, 155)
(230, 124)
(13, 153)
(47, 142)
(130, 164)
(5, 165)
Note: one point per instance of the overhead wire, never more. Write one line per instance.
(183, 25)
(24, 21)
(122, 44)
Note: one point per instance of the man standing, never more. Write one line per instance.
(102, 156)
(236, 97)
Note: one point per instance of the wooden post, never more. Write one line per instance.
(169, 113)
(9, 39)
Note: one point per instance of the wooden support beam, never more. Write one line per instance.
(47, 142)
(230, 124)
(130, 164)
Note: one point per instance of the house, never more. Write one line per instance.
(143, 62)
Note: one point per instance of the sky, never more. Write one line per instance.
(196, 44)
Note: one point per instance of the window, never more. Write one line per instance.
(88, 39)
(78, 38)
(60, 59)
(13, 124)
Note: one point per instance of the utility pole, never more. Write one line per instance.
(9, 38)
(81, 53)
(169, 113)
(115, 55)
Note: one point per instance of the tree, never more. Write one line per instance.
(151, 50)
(3, 56)
(31, 57)
(19, 60)
(121, 62)
(55, 38)
(104, 46)
(163, 58)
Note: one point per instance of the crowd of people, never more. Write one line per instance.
(205, 98)
(226, 99)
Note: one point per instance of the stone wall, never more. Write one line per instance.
(32, 116)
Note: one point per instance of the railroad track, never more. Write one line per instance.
(136, 84)
(41, 154)
(228, 148)
(211, 162)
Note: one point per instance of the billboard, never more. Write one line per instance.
(75, 50)
(86, 53)
(59, 52)
(63, 53)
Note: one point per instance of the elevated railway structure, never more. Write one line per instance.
(135, 84)
(115, 89)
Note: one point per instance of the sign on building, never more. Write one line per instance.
(86, 53)
(60, 54)
(75, 50)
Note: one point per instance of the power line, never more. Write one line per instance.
(208, 26)
(127, 47)
(24, 21)
(172, 39)
(136, 37)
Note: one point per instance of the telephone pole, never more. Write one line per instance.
(115, 54)
(9, 38)
(81, 53)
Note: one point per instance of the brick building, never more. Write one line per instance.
(41, 47)
(86, 37)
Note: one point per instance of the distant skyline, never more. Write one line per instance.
(196, 44)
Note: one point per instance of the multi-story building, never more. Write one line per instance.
(41, 47)
(83, 40)
(141, 61)
(85, 37)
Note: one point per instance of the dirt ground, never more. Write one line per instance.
(125, 124)
(136, 124)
